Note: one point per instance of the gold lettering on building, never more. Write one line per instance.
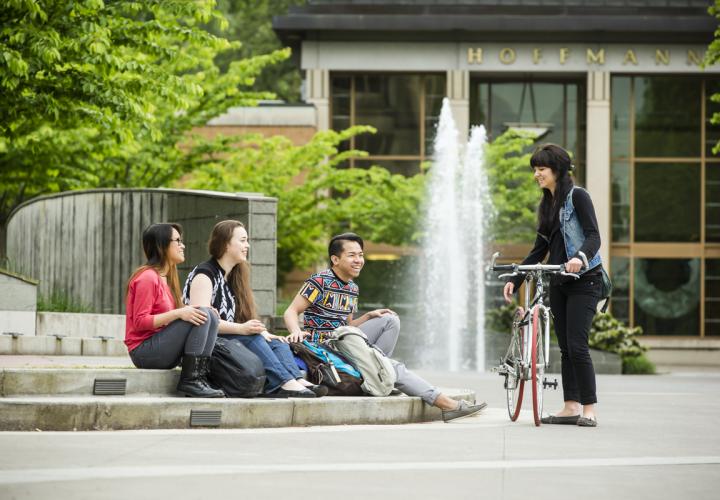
(536, 55)
(601, 56)
(693, 58)
(662, 57)
(593, 58)
(507, 55)
(630, 57)
(475, 56)
(564, 54)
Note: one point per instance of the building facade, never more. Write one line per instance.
(617, 82)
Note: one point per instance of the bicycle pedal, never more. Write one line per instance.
(553, 384)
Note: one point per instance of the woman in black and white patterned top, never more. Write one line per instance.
(223, 282)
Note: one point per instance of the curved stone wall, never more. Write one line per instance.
(85, 244)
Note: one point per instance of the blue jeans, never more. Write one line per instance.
(276, 357)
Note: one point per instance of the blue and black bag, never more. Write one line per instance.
(328, 367)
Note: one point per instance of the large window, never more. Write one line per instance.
(404, 109)
(555, 109)
(665, 204)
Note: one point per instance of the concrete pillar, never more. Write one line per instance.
(458, 91)
(318, 93)
(598, 154)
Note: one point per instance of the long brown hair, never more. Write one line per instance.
(239, 276)
(156, 240)
(559, 161)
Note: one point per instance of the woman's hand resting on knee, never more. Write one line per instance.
(192, 314)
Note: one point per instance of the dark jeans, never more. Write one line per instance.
(573, 306)
(276, 356)
(165, 348)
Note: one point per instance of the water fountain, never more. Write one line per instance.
(452, 266)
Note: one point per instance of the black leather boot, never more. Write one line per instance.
(205, 374)
(192, 381)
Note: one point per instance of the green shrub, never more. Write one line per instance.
(59, 301)
(500, 319)
(638, 365)
(610, 334)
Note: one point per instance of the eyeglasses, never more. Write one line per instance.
(179, 241)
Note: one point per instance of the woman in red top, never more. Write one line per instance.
(159, 330)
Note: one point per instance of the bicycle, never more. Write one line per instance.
(528, 354)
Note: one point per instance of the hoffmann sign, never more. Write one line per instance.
(583, 58)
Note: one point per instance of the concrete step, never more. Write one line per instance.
(673, 351)
(137, 412)
(61, 346)
(86, 325)
(86, 381)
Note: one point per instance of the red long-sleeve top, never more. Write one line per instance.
(147, 296)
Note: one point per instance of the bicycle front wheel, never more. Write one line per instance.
(537, 356)
(514, 382)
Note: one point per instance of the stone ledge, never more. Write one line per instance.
(80, 381)
(63, 346)
(123, 413)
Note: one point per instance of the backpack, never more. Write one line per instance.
(377, 369)
(236, 370)
(328, 367)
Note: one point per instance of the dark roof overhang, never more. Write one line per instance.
(640, 21)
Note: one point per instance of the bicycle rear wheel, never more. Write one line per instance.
(537, 365)
(514, 382)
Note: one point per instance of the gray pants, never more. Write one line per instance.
(413, 385)
(165, 348)
(383, 331)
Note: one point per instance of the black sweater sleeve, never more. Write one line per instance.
(586, 216)
(536, 255)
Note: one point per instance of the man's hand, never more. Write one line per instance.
(379, 312)
(508, 291)
(297, 336)
(573, 265)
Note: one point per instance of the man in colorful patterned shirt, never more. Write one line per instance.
(332, 299)
(329, 300)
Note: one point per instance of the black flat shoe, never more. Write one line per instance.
(284, 393)
(569, 420)
(586, 422)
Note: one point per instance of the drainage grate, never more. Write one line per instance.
(205, 418)
(110, 387)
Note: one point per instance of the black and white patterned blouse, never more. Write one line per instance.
(222, 297)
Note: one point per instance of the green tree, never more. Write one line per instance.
(513, 191)
(250, 22)
(712, 56)
(99, 94)
(316, 197)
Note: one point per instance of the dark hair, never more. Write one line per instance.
(239, 276)
(156, 240)
(558, 160)
(336, 244)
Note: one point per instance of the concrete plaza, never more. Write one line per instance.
(656, 439)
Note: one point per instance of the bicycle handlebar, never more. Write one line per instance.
(517, 269)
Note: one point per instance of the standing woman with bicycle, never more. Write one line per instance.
(568, 231)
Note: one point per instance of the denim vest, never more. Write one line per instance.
(572, 232)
